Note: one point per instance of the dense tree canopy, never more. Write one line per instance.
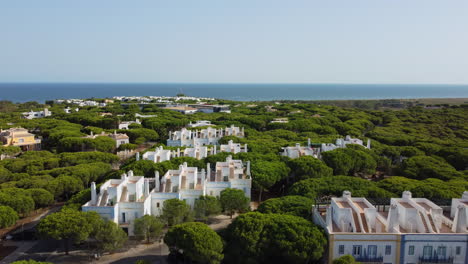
(290, 204)
(195, 241)
(233, 200)
(273, 238)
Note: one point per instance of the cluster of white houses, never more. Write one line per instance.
(412, 230)
(315, 149)
(119, 138)
(202, 137)
(198, 152)
(37, 114)
(123, 200)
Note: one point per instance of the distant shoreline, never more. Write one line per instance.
(40, 92)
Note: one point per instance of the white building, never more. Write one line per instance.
(200, 123)
(206, 136)
(313, 150)
(158, 155)
(69, 110)
(232, 147)
(341, 143)
(137, 115)
(39, 114)
(125, 124)
(128, 198)
(412, 230)
(118, 137)
(299, 151)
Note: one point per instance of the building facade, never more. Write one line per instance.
(20, 137)
(412, 230)
(39, 114)
(123, 200)
(202, 137)
(315, 149)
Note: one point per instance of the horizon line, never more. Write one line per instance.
(228, 83)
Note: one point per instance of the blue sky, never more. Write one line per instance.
(242, 41)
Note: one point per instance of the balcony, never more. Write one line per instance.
(435, 260)
(369, 259)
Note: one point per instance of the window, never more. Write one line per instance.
(21, 140)
(427, 251)
(357, 250)
(411, 250)
(123, 218)
(211, 193)
(341, 249)
(157, 205)
(442, 251)
(372, 251)
(458, 250)
(388, 250)
(136, 215)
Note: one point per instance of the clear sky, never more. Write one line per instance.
(242, 41)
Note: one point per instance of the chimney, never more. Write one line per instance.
(459, 223)
(247, 170)
(123, 176)
(93, 194)
(393, 225)
(208, 171)
(298, 145)
(146, 183)
(245, 148)
(465, 195)
(368, 143)
(406, 195)
(308, 142)
(156, 180)
(346, 194)
(130, 173)
(137, 156)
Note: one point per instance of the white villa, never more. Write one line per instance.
(233, 147)
(197, 152)
(206, 136)
(123, 200)
(118, 137)
(39, 114)
(125, 124)
(309, 150)
(69, 110)
(200, 123)
(412, 230)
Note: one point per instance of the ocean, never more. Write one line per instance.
(40, 92)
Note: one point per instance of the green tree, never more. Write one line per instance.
(8, 216)
(273, 238)
(346, 259)
(290, 204)
(176, 211)
(148, 227)
(265, 174)
(17, 199)
(67, 225)
(30, 261)
(41, 197)
(109, 236)
(233, 200)
(423, 167)
(65, 186)
(338, 160)
(196, 241)
(206, 206)
(309, 167)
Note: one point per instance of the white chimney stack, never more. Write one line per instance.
(93, 194)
